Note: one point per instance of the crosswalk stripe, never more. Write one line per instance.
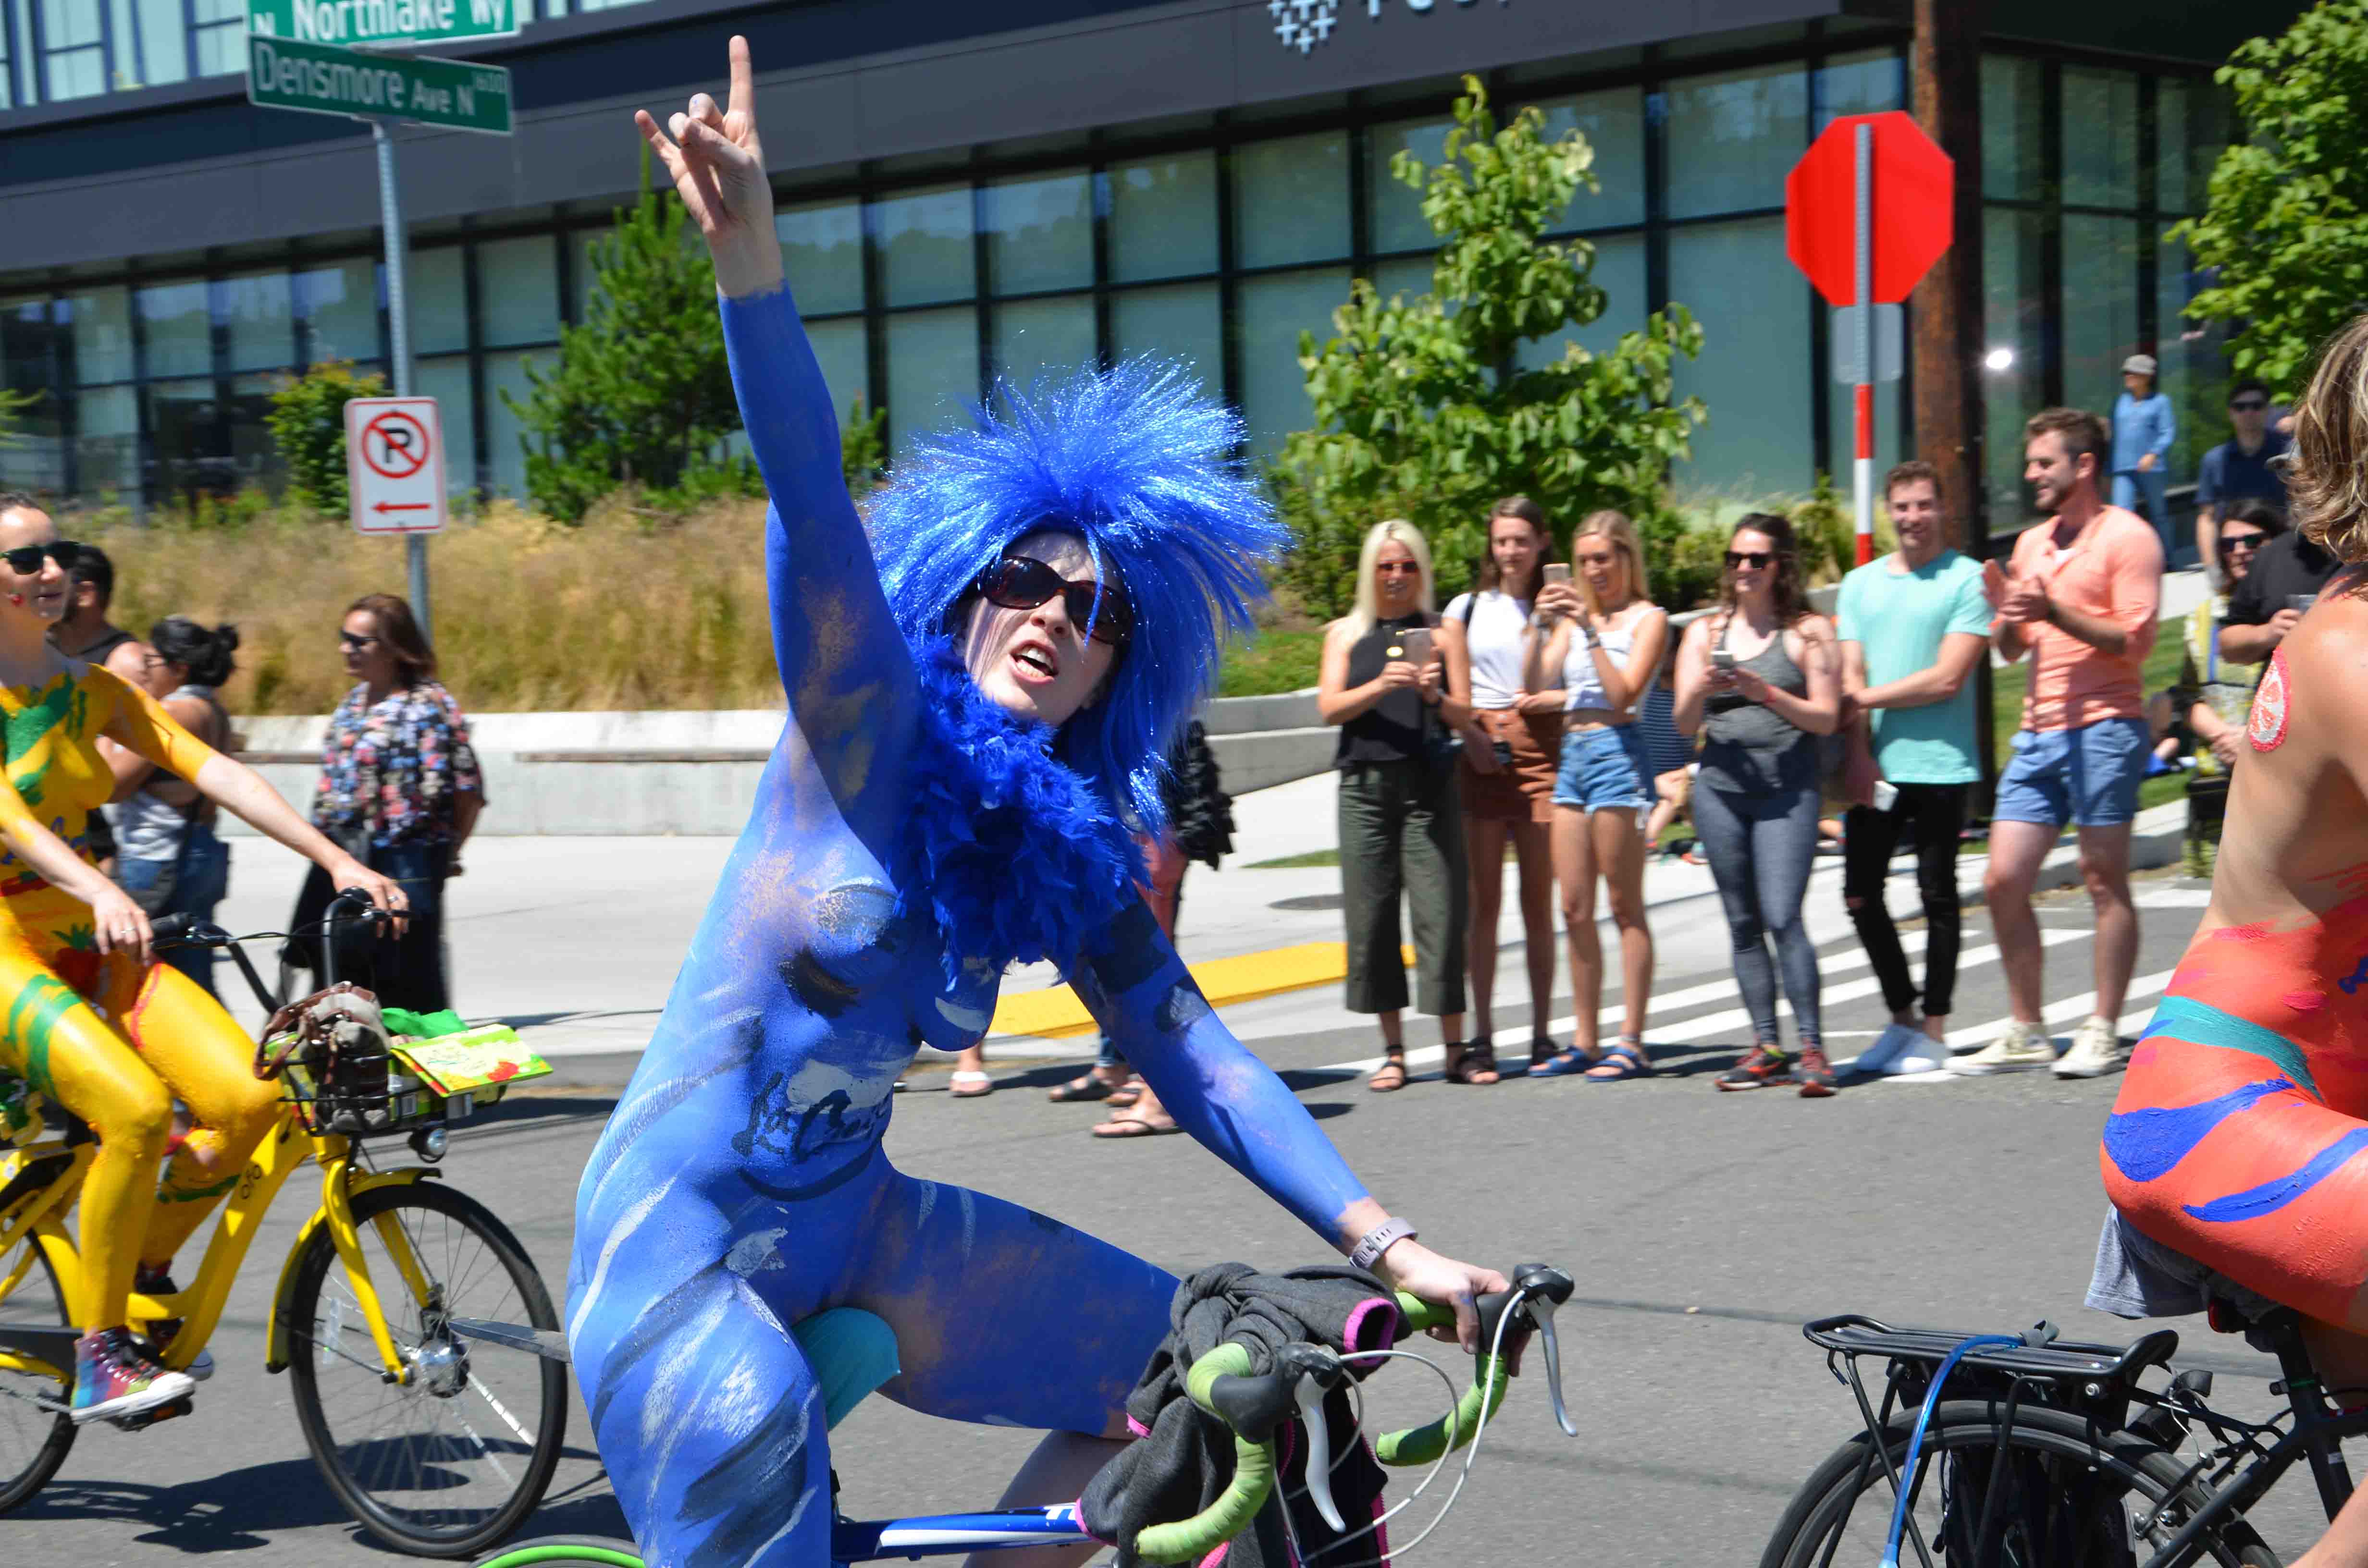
(2072, 1009)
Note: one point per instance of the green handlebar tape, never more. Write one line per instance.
(1422, 1445)
(560, 1553)
(1228, 1517)
(1227, 1360)
(1420, 1315)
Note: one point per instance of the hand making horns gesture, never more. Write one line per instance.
(718, 169)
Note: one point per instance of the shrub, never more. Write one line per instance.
(308, 425)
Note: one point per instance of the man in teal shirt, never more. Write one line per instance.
(1914, 627)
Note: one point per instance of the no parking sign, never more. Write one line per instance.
(394, 465)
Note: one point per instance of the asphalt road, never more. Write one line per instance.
(1703, 1228)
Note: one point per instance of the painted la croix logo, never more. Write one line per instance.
(1303, 24)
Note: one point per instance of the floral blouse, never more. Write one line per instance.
(395, 767)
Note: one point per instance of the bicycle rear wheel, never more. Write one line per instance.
(33, 1441)
(2042, 1495)
(565, 1551)
(454, 1461)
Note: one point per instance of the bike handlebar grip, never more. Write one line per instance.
(1420, 1315)
(1188, 1540)
(170, 927)
(1422, 1445)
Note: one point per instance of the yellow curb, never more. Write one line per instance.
(1055, 1013)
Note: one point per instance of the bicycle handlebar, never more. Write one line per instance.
(1255, 1405)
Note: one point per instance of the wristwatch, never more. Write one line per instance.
(1377, 1241)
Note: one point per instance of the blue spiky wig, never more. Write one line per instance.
(1136, 462)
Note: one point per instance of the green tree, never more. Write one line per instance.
(1421, 409)
(641, 392)
(308, 425)
(2285, 230)
(13, 405)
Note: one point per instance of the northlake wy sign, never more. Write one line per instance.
(382, 23)
(282, 74)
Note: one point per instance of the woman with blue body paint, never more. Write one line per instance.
(978, 715)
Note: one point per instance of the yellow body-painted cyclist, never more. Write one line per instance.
(86, 1017)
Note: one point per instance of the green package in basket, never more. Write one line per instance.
(487, 1056)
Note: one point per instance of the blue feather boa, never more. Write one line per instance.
(1010, 850)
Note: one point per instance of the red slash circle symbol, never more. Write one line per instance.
(394, 444)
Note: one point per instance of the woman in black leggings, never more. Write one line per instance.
(1758, 679)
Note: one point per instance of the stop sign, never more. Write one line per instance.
(1915, 184)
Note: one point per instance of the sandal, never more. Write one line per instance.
(1475, 1064)
(1618, 1064)
(969, 1086)
(1542, 1050)
(1090, 1086)
(1565, 1064)
(1134, 1125)
(1390, 1075)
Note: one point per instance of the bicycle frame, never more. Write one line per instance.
(41, 1215)
(946, 1535)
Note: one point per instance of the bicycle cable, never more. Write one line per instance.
(1915, 1437)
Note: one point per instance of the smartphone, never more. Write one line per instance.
(1557, 572)
(1416, 640)
(1722, 658)
(1886, 794)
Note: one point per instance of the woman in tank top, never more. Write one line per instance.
(1605, 642)
(1400, 830)
(169, 858)
(1759, 679)
(1510, 750)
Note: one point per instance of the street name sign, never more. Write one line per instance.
(382, 24)
(324, 79)
(394, 465)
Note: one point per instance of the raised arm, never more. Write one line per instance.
(1232, 1103)
(844, 665)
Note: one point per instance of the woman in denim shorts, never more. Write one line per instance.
(1605, 645)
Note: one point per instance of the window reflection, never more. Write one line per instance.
(179, 328)
(1037, 339)
(1180, 321)
(1164, 217)
(1613, 123)
(340, 305)
(1754, 370)
(1734, 137)
(932, 371)
(925, 246)
(2100, 138)
(822, 249)
(1273, 313)
(260, 313)
(2014, 320)
(1397, 219)
(1291, 200)
(2014, 161)
(1039, 233)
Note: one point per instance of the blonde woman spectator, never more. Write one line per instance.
(1400, 830)
(1604, 645)
(1510, 747)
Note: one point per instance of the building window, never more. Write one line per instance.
(74, 41)
(1396, 207)
(179, 328)
(1733, 138)
(932, 371)
(106, 440)
(340, 302)
(1181, 321)
(219, 38)
(254, 456)
(1163, 218)
(2014, 107)
(840, 349)
(260, 312)
(164, 41)
(28, 345)
(437, 283)
(2099, 307)
(517, 291)
(1273, 311)
(1613, 123)
(924, 240)
(1035, 339)
(2014, 372)
(447, 381)
(98, 325)
(821, 247)
(1865, 83)
(192, 447)
(1755, 362)
(1040, 235)
(2100, 132)
(1619, 271)
(1291, 201)
(506, 451)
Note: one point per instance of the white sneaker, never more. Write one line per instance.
(1883, 1056)
(2017, 1047)
(2097, 1050)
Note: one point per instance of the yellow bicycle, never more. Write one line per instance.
(406, 1314)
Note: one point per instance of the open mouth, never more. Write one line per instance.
(1034, 665)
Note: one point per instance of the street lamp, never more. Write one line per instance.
(1999, 360)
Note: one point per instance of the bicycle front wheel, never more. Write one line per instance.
(565, 1551)
(452, 1461)
(2044, 1495)
(33, 1441)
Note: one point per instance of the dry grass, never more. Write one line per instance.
(530, 616)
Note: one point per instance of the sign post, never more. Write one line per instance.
(295, 59)
(1867, 210)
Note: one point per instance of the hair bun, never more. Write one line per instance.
(226, 637)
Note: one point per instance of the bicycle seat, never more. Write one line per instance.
(852, 1352)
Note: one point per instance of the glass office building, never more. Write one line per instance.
(1214, 235)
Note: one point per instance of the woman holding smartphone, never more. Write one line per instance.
(1605, 642)
(1510, 748)
(1400, 829)
(1760, 680)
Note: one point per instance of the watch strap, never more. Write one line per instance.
(1377, 1241)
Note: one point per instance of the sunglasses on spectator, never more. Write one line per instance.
(26, 559)
(1752, 558)
(355, 640)
(2250, 404)
(2231, 543)
(1397, 568)
(1022, 582)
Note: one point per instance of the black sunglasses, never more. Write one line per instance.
(2250, 404)
(1022, 582)
(26, 559)
(2231, 542)
(354, 639)
(1749, 557)
(1397, 568)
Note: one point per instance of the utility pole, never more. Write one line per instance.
(1944, 68)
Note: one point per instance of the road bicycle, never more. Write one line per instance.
(2042, 1454)
(384, 1308)
(853, 1352)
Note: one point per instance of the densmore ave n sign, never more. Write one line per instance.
(282, 73)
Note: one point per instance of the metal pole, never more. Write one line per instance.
(1862, 284)
(398, 320)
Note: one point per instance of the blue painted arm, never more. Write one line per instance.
(844, 667)
(1138, 989)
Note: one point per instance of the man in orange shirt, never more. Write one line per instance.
(2079, 596)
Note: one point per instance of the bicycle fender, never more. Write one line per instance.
(275, 1358)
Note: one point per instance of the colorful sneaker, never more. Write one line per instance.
(161, 1332)
(1765, 1065)
(1815, 1074)
(2096, 1050)
(113, 1380)
(2017, 1047)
